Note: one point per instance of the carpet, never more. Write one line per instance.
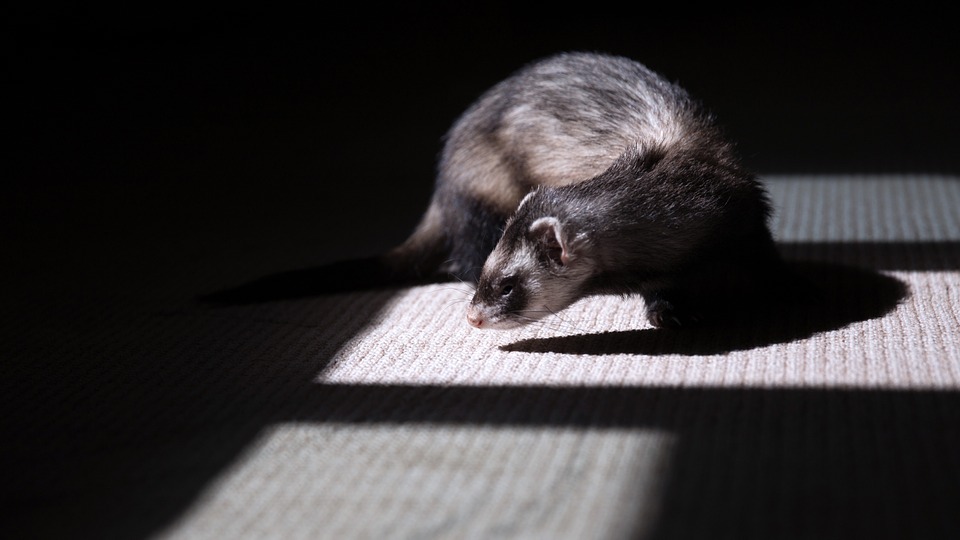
(132, 411)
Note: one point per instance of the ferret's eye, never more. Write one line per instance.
(506, 286)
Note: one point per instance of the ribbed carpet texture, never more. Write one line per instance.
(133, 411)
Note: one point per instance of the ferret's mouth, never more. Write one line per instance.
(505, 324)
(477, 318)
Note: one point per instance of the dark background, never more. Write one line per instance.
(331, 120)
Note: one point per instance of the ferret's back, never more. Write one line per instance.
(566, 119)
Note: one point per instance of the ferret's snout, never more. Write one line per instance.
(474, 317)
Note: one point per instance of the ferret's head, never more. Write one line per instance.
(538, 268)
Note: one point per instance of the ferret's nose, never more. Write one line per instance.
(474, 318)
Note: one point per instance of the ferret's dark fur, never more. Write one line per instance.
(580, 174)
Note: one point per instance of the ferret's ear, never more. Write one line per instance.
(549, 233)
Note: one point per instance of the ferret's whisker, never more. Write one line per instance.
(565, 323)
(556, 322)
(455, 289)
(453, 303)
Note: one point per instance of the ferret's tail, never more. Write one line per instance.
(418, 260)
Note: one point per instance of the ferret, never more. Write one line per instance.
(586, 173)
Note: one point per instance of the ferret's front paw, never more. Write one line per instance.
(663, 314)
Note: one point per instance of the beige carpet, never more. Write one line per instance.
(133, 412)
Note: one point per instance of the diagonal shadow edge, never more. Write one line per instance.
(339, 276)
(611, 407)
(851, 289)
